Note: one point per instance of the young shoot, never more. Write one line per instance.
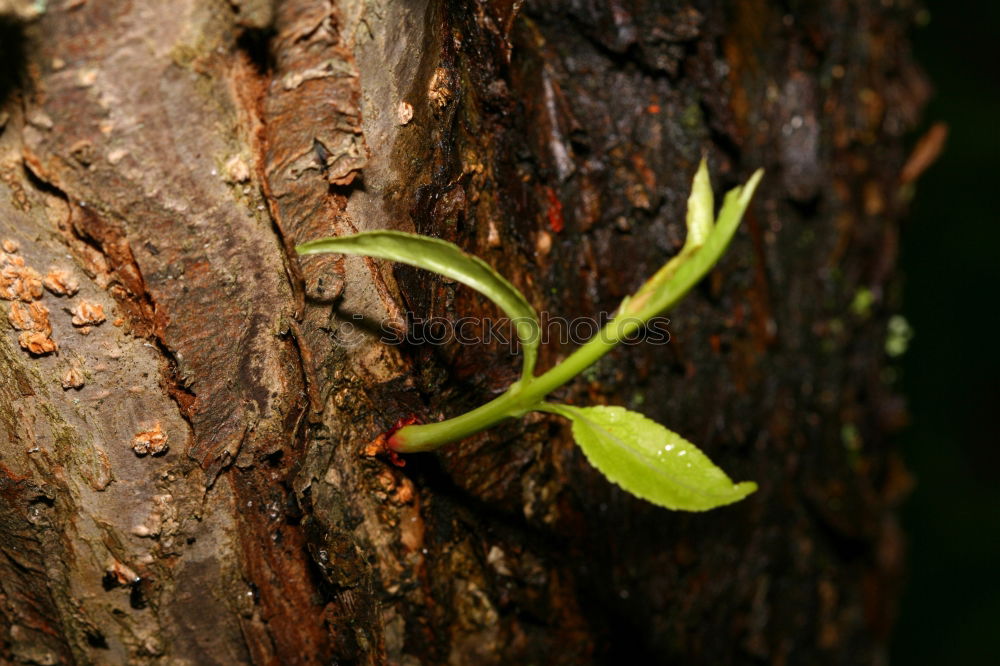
(638, 454)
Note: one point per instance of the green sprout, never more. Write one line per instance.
(638, 454)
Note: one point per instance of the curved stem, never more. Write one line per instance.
(669, 285)
(525, 395)
(520, 398)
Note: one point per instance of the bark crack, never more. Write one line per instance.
(104, 253)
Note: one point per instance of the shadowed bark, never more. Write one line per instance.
(184, 478)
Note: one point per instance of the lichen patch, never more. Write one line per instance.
(152, 441)
(439, 91)
(87, 313)
(404, 113)
(32, 320)
(60, 282)
(38, 344)
(18, 281)
(29, 317)
(237, 170)
(72, 378)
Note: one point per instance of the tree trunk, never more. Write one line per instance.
(186, 481)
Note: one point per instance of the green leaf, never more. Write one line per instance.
(700, 253)
(445, 259)
(701, 208)
(650, 461)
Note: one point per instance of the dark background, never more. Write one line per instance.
(950, 611)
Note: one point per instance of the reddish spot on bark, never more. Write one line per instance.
(387, 444)
(555, 215)
(394, 445)
(9, 475)
(403, 422)
(653, 108)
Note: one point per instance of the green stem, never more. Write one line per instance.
(669, 285)
(521, 397)
(525, 395)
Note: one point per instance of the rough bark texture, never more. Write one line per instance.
(167, 155)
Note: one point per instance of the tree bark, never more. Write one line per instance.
(168, 155)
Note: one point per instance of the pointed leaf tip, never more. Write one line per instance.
(701, 250)
(649, 460)
(701, 208)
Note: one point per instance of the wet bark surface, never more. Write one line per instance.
(186, 478)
